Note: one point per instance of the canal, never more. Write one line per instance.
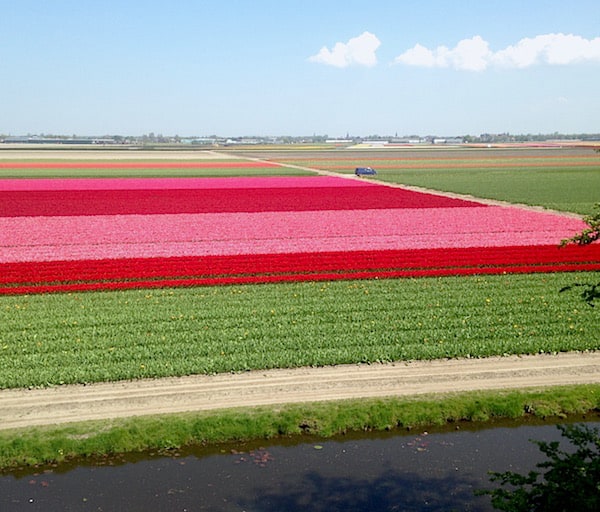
(436, 470)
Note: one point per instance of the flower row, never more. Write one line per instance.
(87, 234)
(18, 278)
(238, 164)
(351, 261)
(151, 183)
(142, 236)
(36, 203)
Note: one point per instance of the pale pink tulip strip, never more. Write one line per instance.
(133, 236)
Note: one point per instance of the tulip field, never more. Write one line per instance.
(117, 270)
(75, 234)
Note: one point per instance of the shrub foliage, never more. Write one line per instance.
(571, 479)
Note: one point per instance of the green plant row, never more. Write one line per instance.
(108, 336)
(43, 445)
(152, 173)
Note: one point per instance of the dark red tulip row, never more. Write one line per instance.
(36, 203)
(111, 274)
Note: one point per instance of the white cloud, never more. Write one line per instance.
(358, 50)
(469, 54)
(554, 49)
(474, 54)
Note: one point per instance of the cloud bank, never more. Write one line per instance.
(357, 51)
(475, 55)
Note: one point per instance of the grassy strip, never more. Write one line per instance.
(215, 172)
(42, 445)
(566, 189)
(109, 336)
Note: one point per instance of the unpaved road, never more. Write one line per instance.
(63, 404)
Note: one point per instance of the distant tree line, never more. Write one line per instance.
(153, 138)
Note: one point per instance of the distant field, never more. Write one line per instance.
(562, 179)
(20, 152)
(136, 168)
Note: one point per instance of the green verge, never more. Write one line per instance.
(124, 172)
(43, 445)
(119, 335)
(565, 189)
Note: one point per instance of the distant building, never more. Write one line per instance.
(447, 140)
(35, 139)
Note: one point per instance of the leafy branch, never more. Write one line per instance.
(588, 235)
(571, 482)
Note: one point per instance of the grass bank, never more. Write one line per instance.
(37, 446)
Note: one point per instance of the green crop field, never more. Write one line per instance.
(566, 189)
(123, 171)
(87, 337)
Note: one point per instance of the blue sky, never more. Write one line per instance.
(295, 67)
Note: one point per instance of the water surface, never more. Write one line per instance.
(415, 471)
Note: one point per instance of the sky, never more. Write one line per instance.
(299, 68)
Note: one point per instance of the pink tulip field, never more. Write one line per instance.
(77, 234)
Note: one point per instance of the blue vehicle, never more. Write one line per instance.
(365, 171)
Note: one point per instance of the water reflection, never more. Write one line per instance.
(409, 472)
(392, 490)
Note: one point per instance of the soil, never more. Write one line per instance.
(20, 408)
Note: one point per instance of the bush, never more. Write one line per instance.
(571, 481)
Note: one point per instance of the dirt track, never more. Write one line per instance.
(26, 408)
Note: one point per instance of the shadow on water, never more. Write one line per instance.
(391, 491)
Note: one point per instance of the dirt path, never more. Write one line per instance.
(25, 408)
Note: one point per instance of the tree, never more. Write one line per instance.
(591, 291)
(571, 482)
(590, 234)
